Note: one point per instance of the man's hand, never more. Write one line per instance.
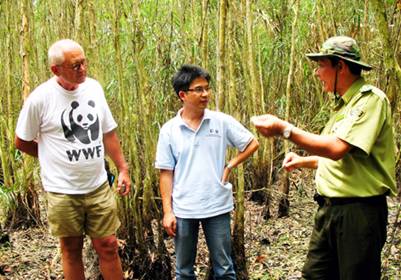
(269, 125)
(113, 149)
(124, 183)
(170, 223)
(241, 156)
(293, 161)
(226, 174)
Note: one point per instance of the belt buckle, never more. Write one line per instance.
(327, 201)
(321, 201)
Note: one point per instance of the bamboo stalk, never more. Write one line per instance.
(220, 75)
(365, 21)
(239, 214)
(285, 186)
(25, 50)
(7, 120)
(77, 20)
(239, 228)
(93, 41)
(390, 59)
(255, 87)
(204, 34)
(322, 30)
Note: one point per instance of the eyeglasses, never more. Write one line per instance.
(200, 90)
(77, 65)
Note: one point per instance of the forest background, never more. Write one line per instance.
(255, 52)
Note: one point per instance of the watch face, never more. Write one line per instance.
(286, 133)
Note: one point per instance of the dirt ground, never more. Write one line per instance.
(275, 249)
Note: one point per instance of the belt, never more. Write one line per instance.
(333, 201)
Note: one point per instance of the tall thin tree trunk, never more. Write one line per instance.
(77, 20)
(25, 48)
(322, 30)
(366, 25)
(239, 254)
(6, 110)
(239, 228)
(255, 87)
(27, 211)
(390, 59)
(118, 58)
(93, 42)
(204, 34)
(221, 50)
(285, 186)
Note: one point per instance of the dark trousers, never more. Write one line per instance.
(347, 240)
(218, 238)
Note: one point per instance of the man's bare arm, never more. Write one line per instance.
(28, 147)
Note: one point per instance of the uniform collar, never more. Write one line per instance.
(354, 89)
(339, 100)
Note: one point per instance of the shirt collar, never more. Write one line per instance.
(206, 116)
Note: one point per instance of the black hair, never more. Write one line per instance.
(186, 75)
(355, 69)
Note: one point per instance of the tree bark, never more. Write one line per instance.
(204, 34)
(255, 87)
(77, 20)
(285, 186)
(25, 49)
(220, 62)
(238, 237)
(393, 69)
(239, 228)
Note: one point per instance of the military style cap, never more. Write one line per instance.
(342, 47)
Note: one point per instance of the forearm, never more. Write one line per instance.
(294, 161)
(166, 190)
(113, 150)
(311, 162)
(328, 146)
(28, 147)
(166, 194)
(242, 156)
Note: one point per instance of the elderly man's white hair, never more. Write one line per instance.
(57, 50)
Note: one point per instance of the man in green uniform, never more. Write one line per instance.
(355, 161)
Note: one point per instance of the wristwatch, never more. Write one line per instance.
(287, 131)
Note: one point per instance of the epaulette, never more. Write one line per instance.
(373, 89)
(366, 88)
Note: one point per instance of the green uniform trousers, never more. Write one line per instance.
(347, 240)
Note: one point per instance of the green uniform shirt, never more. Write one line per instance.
(362, 118)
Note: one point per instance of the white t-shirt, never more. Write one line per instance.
(69, 128)
(198, 158)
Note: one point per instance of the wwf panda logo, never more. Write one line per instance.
(82, 122)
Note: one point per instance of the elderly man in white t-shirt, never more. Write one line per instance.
(191, 156)
(67, 124)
